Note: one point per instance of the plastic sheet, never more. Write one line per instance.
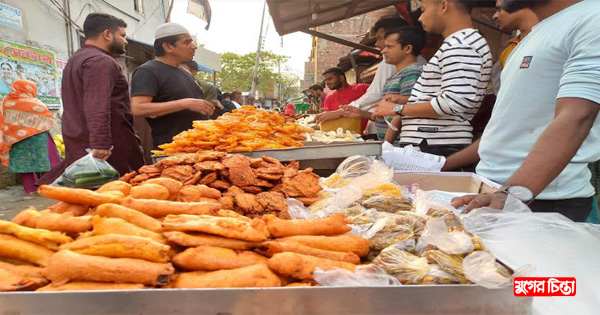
(363, 275)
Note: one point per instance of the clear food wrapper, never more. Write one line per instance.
(481, 268)
(452, 264)
(363, 275)
(408, 268)
(436, 275)
(87, 172)
(448, 235)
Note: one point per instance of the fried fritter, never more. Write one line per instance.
(252, 189)
(180, 173)
(178, 159)
(172, 185)
(332, 225)
(302, 266)
(241, 175)
(233, 191)
(120, 246)
(340, 243)
(201, 239)
(248, 203)
(272, 201)
(116, 185)
(226, 203)
(10, 281)
(254, 230)
(208, 178)
(270, 248)
(251, 276)
(138, 179)
(194, 180)
(216, 258)
(149, 191)
(305, 184)
(213, 166)
(92, 286)
(220, 185)
(14, 248)
(209, 156)
(149, 169)
(307, 201)
(236, 160)
(49, 239)
(128, 177)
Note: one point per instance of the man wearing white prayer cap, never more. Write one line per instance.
(165, 94)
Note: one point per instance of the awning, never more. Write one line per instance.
(291, 16)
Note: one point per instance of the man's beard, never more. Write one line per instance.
(512, 6)
(116, 48)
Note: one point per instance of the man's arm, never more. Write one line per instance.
(465, 157)
(142, 105)
(555, 148)
(391, 134)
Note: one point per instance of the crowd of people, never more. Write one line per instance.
(542, 133)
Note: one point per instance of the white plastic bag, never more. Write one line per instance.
(87, 172)
(451, 242)
(481, 268)
(363, 275)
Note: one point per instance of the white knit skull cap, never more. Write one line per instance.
(169, 29)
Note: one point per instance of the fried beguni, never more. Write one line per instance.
(105, 226)
(270, 248)
(66, 266)
(161, 208)
(10, 281)
(120, 246)
(304, 184)
(254, 230)
(63, 207)
(216, 258)
(198, 239)
(138, 218)
(333, 225)
(149, 191)
(14, 248)
(76, 195)
(92, 286)
(340, 243)
(64, 222)
(24, 270)
(258, 275)
(172, 185)
(197, 193)
(302, 266)
(116, 185)
(49, 239)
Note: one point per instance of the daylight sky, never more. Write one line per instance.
(235, 27)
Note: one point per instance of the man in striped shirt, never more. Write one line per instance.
(452, 85)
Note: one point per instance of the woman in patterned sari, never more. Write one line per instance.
(25, 144)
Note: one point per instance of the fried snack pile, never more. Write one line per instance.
(140, 236)
(245, 129)
(251, 187)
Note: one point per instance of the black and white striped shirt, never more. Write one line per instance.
(455, 81)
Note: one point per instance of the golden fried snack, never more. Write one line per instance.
(254, 230)
(340, 243)
(109, 210)
(172, 185)
(14, 248)
(10, 281)
(49, 239)
(188, 194)
(77, 195)
(302, 266)
(120, 246)
(291, 285)
(67, 266)
(270, 248)
(64, 222)
(118, 194)
(194, 240)
(252, 276)
(207, 192)
(332, 225)
(226, 203)
(105, 226)
(116, 185)
(88, 286)
(216, 258)
(304, 184)
(149, 191)
(162, 208)
(62, 207)
(24, 270)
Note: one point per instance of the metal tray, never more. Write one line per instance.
(323, 158)
(442, 299)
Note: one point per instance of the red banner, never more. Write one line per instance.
(544, 286)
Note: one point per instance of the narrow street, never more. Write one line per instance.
(14, 199)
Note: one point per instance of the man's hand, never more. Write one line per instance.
(101, 154)
(495, 201)
(383, 109)
(327, 116)
(351, 111)
(395, 98)
(219, 105)
(203, 107)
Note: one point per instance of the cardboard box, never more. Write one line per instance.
(448, 181)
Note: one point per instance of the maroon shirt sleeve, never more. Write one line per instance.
(99, 77)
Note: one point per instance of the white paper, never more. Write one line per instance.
(445, 197)
(409, 159)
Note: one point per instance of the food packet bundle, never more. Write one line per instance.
(448, 234)
(87, 172)
(482, 268)
(452, 264)
(363, 275)
(436, 275)
(406, 267)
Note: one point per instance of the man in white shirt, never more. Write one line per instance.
(237, 98)
(544, 130)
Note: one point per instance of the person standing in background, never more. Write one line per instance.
(26, 147)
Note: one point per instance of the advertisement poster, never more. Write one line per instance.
(24, 62)
(11, 17)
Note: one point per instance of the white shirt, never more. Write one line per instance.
(373, 94)
(236, 104)
(560, 58)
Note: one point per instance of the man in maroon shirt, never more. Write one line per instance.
(96, 104)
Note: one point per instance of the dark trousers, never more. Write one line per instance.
(443, 150)
(576, 209)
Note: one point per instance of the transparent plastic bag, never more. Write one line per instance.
(452, 264)
(363, 275)
(447, 234)
(406, 267)
(480, 268)
(87, 172)
(367, 223)
(436, 275)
